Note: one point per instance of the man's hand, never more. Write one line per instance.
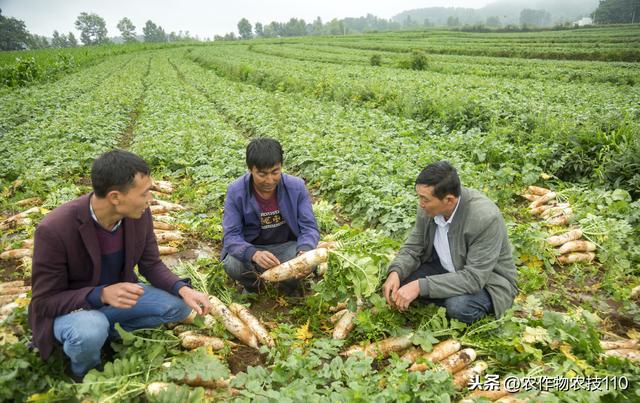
(406, 294)
(265, 259)
(121, 295)
(391, 287)
(196, 300)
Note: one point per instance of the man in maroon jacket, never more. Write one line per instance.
(85, 251)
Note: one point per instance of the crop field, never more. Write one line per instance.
(359, 116)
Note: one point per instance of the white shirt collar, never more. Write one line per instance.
(93, 215)
(439, 219)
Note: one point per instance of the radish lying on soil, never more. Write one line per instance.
(618, 344)
(462, 378)
(439, 352)
(383, 348)
(542, 200)
(576, 257)
(232, 323)
(167, 250)
(577, 246)
(192, 340)
(16, 254)
(344, 325)
(253, 323)
(538, 191)
(558, 240)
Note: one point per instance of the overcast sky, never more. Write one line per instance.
(201, 17)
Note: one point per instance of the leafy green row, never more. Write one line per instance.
(48, 152)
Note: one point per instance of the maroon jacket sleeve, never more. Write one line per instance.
(150, 265)
(49, 283)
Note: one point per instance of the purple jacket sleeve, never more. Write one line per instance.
(309, 234)
(49, 283)
(232, 228)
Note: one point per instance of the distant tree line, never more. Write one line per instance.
(93, 31)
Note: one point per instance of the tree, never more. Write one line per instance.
(153, 32)
(58, 41)
(127, 30)
(617, 12)
(244, 29)
(93, 29)
(258, 30)
(38, 42)
(71, 39)
(316, 27)
(535, 17)
(453, 21)
(13, 33)
(493, 21)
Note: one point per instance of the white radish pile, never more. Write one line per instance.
(571, 247)
(10, 293)
(624, 349)
(239, 321)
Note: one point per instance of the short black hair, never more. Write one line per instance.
(116, 170)
(263, 153)
(443, 177)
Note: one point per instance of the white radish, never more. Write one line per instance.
(576, 257)
(558, 240)
(297, 267)
(232, 323)
(344, 325)
(253, 323)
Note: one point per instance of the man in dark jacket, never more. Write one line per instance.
(268, 218)
(85, 251)
(458, 254)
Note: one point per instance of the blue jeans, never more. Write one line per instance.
(247, 273)
(466, 308)
(83, 333)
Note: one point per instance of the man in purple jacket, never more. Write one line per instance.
(85, 251)
(268, 218)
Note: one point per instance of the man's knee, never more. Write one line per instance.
(89, 332)
(463, 308)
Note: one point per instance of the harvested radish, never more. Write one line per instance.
(168, 205)
(562, 208)
(558, 240)
(11, 284)
(543, 199)
(162, 186)
(29, 202)
(253, 323)
(624, 353)
(576, 257)
(541, 209)
(618, 344)
(192, 340)
(15, 254)
(635, 293)
(158, 209)
(538, 191)
(577, 246)
(163, 226)
(336, 316)
(559, 220)
(167, 250)
(459, 360)
(412, 354)
(385, 347)
(462, 378)
(166, 237)
(344, 325)
(530, 197)
(439, 352)
(13, 291)
(232, 323)
(297, 267)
